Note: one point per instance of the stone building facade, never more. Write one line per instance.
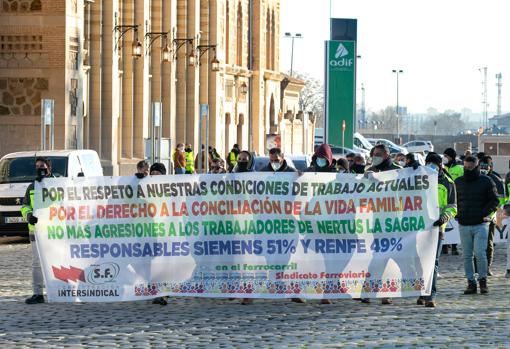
(80, 54)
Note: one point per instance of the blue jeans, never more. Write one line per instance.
(474, 241)
(436, 270)
(180, 171)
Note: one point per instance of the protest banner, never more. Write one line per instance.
(249, 235)
(452, 233)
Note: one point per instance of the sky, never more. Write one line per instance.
(439, 44)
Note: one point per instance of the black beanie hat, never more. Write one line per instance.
(158, 166)
(450, 152)
(433, 158)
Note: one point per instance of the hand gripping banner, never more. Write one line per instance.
(249, 235)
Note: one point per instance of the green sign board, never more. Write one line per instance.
(340, 92)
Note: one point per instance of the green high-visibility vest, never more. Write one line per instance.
(190, 161)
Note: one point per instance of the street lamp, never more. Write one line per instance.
(243, 89)
(122, 30)
(202, 49)
(151, 37)
(398, 71)
(292, 36)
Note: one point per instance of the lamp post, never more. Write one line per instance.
(122, 30)
(398, 71)
(292, 36)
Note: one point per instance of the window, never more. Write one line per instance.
(490, 148)
(504, 149)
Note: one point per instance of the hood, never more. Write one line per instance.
(324, 151)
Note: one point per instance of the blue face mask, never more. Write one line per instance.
(321, 162)
(433, 167)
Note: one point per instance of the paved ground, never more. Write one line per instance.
(459, 321)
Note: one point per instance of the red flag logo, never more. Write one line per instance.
(68, 274)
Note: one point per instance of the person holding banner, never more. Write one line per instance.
(454, 170)
(447, 211)
(477, 199)
(43, 170)
(381, 161)
(277, 162)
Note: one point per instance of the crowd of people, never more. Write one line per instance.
(469, 190)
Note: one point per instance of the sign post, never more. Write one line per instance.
(204, 116)
(340, 91)
(156, 132)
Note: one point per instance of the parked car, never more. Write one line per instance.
(361, 142)
(419, 146)
(301, 162)
(17, 171)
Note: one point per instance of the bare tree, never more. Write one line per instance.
(311, 98)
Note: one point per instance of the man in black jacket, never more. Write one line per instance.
(277, 162)
(381, 160)
(477, 199)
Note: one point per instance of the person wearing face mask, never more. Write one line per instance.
(486, 169)
(217, 166)
(43, 170)
(477, 199)
(454, 170)
(322, 160)
(277, 162)
(179, 160)
(244, 161)
(142, 169)
(411, 161)
(359, 165)
(350, 159)
(190, 159)
(342, 166)
(381, 160)
(400, 159)
(447, 211)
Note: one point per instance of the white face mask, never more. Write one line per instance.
(321, 162)
(401, 163)
(276, 166)
(181, 149)
(445, 161)
(377, 160)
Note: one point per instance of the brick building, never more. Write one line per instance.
(81, 54)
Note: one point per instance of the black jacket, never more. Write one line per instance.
(477, 199)
(500, 184)
(284, 168)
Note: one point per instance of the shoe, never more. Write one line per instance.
(483, 286)
(430, 304)
(35, 299)
(386, 301)
(507, 275)
(299, 300)
(365, 300)
(420, 301)
(471, 287)
(326, 301)
(444, 249)
(247, 301)
(160, 301)
(455, 252)
(489, 272)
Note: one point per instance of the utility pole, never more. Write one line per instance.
(397, 71)
(292, 36)
(484, 97)
(499, 84)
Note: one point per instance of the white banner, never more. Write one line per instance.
(452, 234)
(250, 235)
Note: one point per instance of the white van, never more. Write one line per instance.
(17, 171)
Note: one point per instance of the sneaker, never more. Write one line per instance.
(420, 301)
(299, 300)
(455, 252)
(430, 304)
(471, 287)
(489, 272)
(386, 301)
(326, 301)
(444, 249)
(35, 299)
(160, 301)
(365, 300)
(483, 286)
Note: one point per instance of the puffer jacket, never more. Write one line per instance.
(477, 199)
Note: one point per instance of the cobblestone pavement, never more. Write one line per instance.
(458, 322)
